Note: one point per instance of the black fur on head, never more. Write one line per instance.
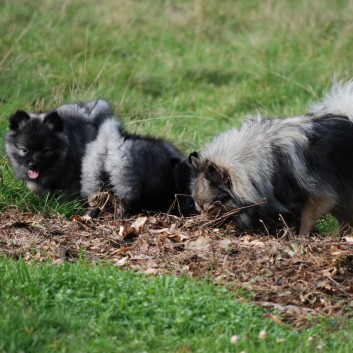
(18, 119)
(54, 121)
(217, 175)
(38, 151)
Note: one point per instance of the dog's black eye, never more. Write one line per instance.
(24, 150)
(45, 150)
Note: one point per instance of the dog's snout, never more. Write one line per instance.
(32, 165)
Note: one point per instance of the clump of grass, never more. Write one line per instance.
(327, 225)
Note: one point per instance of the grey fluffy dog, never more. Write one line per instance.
(300, 168)
(45, 150)
(139, 171)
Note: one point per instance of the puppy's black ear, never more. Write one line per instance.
(193, 154)
(54, 120)
(217, 175)
(194, 161)
(17, 120)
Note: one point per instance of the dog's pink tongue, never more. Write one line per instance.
(33, 174)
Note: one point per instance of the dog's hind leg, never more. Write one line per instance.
(312, 210)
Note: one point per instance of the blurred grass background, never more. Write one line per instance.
(183, 69)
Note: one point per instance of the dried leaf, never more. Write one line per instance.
(274, 318)
(178, 237)
(122, 232)
(122, 250)
(152, 271)
(200, 244)
(75, 217)
(122, 262)
(137, 226)
(348, 239)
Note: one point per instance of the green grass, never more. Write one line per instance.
(168, 69)
(83, 308)
(15, 194)
(172, 70)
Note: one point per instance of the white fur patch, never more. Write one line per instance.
(337, 100)
(100, 156)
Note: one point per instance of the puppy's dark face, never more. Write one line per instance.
(35, 145)
(212, 187)
(214, 193)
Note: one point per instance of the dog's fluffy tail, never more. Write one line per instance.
(338, 100)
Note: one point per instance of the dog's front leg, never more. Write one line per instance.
(312, 210)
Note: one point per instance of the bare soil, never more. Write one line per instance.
(299, 276)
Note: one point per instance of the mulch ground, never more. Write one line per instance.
(299, 276)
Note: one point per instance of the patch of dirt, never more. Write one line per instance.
(299, 276)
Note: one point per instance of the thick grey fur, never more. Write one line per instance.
(138, 170)
(299, 167)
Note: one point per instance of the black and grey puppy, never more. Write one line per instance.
(301, 168)
(45, 150)
(139, 171)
